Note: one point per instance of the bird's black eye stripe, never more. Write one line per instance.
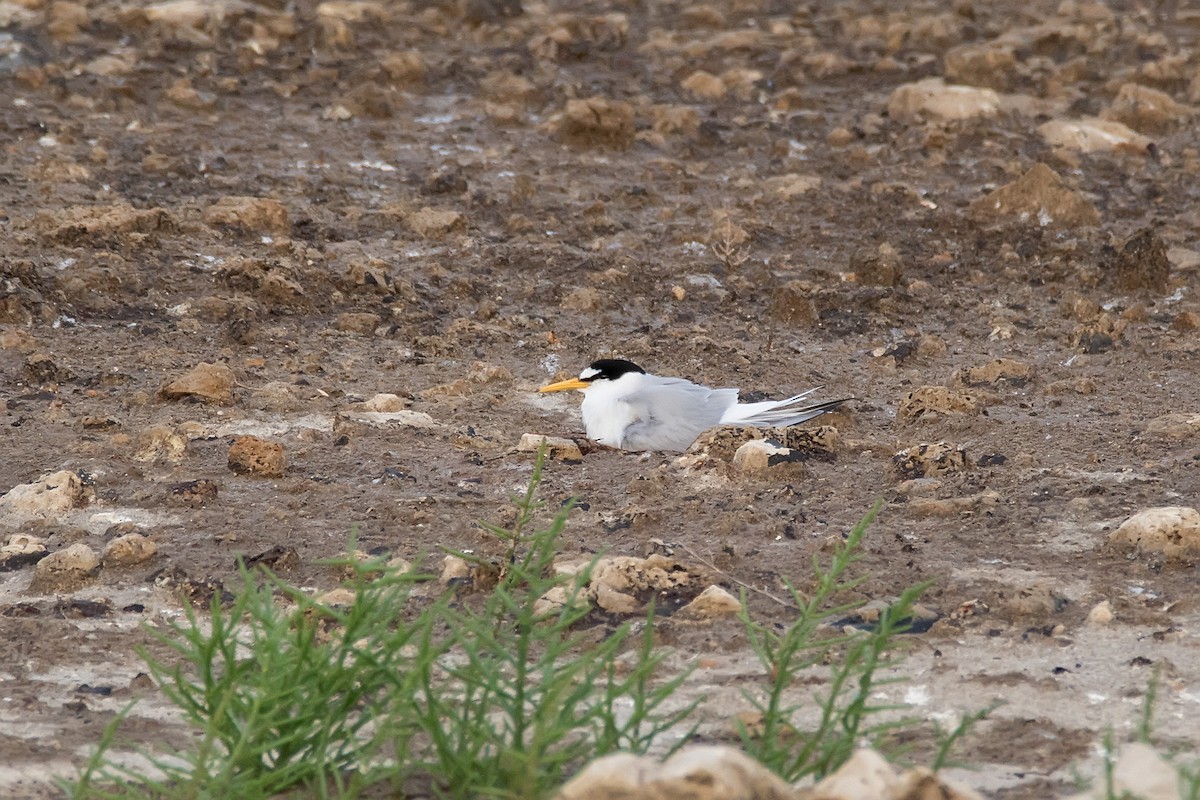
(609, 369)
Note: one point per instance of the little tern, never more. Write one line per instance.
(626, 407)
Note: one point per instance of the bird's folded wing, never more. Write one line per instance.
(672, 412)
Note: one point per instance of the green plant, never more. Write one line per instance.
(521, 694)
(845, 713)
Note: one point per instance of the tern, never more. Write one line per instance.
(628, 408)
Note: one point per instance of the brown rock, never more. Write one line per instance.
(1147, 110)
(359, 322)
(877, 266)
(704, 85)
(932, 401)
(1171, 531)
(128, 550)
(1177, 426)
(160, 444)
(953, 507)
(404, 69)
(249, 214)
(989, 64)
(793, 304)
(431, 223)
(251, 455)
(1008, 370)
(597, 122)
(1039, 197)
(1142, 263)
(88, 223)
(713, 602)
(556, 447)
(208, 383)
(195, 493)
(929, 461)
(65, 569)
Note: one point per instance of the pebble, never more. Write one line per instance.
(128, 550)
(1008, 370)
(1177, 426)
(713, 602)
(1147, 110)
(760, 455)
(1101, 614)
(160, 444)
(711, 772)
(20, 551)
(934, 99)
(260, 215)
(597, 122)
(433, 223)
(65, 569)
(1170, 531)
(1038, 197)
(208, 383)
(557, 447)
(931, 402)
(249, 455)
(929, 461)
(1093, 135)
(46, 499)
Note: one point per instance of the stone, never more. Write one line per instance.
(954, 506)
(991, 64)
(700, 772)
(1170, 531)
(1006, 370)
(704, 85)
(383, 402)
(278, 396)
(160, 445)
(250, 455)
(65, 569)
(1142, 263)
(931, 402)
(260, 215)
(46, 499)
(881, 266)
(597, 122)
(792, 303)
(433, 223)
(1039, 196)
(1139, 772)
(713, 602)
(20, 551)
(1147, 110)
(1094, 135)
(761, 455)
(1175, 426)
(557, 447)
(360, 322)
(929, 461)
(128, 550)
(207, 383)
(87, 223)
(195, 493)
(1100, 614)
(934, 99)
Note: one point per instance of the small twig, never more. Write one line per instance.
(743, 584)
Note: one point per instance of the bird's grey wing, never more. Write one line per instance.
(671, 413)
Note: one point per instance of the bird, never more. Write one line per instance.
(628, 408)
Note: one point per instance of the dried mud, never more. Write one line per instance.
(453, 203)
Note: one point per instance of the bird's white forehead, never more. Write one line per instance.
(588, 374)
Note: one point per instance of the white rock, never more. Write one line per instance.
(65, 568)
(711, 603)
(1101, 614)
(932, 98)
(1139, 772)
(47, 498)
(760, 455)
(1092, 135)
(1173, 531)
(556, 446)
(128, 550)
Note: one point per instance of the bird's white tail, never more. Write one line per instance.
(777, 413)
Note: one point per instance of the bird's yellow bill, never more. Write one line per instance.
(562, 386)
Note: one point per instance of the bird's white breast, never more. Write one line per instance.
(606, 414)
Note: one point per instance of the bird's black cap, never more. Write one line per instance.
(608, 369)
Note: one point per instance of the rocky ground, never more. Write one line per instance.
(231, 219)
